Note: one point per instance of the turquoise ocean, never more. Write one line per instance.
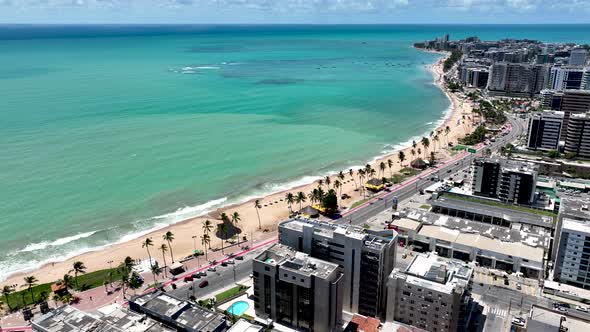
(107, 132)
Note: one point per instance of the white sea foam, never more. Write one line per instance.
(56, 243)
(207, 67)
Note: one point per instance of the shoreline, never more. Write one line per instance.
(273, 210)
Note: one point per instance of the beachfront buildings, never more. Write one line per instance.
(517, 79)
(294, 289)
(544, 130)
(573, 102)
(566, 78)
(431, 294)
(364, 257)
(572, 244)
(577, 140)
(578, 57)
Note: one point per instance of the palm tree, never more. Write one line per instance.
(341, 176)
(169, 237)
(156, 271)
(425, 143)
(257, 206)
(419, 152)
(432, 157)
(328, 181)
(321, 194)
(164, 248)
(436, 138)
(7, 290)
(414, 144)
(235, 218)
(222, 228)
(361, 174)
(205, 240)
(30, 282)
(368, 169)
(320, 182)
(447, 131)
(372, 173)
(224, 217)
(351, 173)
(290, 199)
(382, 168)
(338, 185)
(312, 196)
(390, 165)
(147, 243)
(300, 198)
(207, 226)
(402, 157)
(413, 152)
(78, 267)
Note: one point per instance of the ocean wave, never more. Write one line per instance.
(207, 67)
(56, 243)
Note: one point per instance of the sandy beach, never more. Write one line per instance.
(273, 210)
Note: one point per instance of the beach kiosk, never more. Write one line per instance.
(176, 268)
(419, 163)
(374, 185)
(310, 212)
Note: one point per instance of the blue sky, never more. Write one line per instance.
(295, 11)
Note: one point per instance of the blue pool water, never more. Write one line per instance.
(238, 308)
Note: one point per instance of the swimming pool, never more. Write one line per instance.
(238, 308)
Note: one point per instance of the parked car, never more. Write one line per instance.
(204, 283)
(518, 286)
(581, 308)
(188, 278)
(212, 269)
(518, 321)
(230, 261)
(196, 275)
(240, 258)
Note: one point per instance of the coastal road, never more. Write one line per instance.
(412, 186)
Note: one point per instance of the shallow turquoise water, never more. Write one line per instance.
(106, 132)
(238, 308)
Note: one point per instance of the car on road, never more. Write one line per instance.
(188, 278)
(223, 263)
(240, 258)
(230, 261)
(203, 283)
(518, 321)
(196, 275)
(518, 286)
(212, 269)
(581, 308)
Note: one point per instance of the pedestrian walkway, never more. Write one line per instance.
(495, 311)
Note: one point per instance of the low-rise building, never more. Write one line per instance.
(69, 319)
(177, 313)
(365, 257)
(294, 289)
(431, 294)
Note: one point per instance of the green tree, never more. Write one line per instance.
(163, 248)
(147, 243)
(425, 143)
(224, 217)
(207, 226)
(290, 199)
(328, 181)
(169, 237)
(257, 206)
(338, 185)
(341, 176)
(206, 241)
(330, 202)
(390, 165)
(402, 157)
(6, 291)
(382, 168)
(351, 173)
(447, 131)
(156, 271)
(553, 154)
(300, 198)
(30, 282)
(235, 218)
(78, 268)
(222, 229)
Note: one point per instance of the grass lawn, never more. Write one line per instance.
(230, 292)
(357, 203)
(22, 297)
(507, 206)
(425, 206)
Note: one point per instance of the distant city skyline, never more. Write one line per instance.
(295, 11)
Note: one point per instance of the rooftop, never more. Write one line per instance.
(546, 320)
(360, 323)
(244, 326)
(436, 273)
(290, 259)
(493, 209)
(575, 208)
(330, 230)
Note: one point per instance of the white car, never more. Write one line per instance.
(518, 321)
(580, 308)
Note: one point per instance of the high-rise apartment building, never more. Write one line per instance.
(577, 140)
(566, 78)
(365, 258)
(573, 102)
(486, 173)
(544, 130)
(431, 294)
(518, 182)
(578, 57)
(295, 289)
(551, 99)
(517, 79)
(571, 248)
